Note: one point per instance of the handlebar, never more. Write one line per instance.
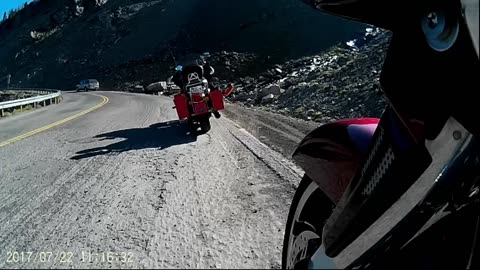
(228, 91)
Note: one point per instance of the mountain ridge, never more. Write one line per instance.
(54, 43)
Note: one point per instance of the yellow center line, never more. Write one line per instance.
(38, 130)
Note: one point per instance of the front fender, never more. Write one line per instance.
(330, 154)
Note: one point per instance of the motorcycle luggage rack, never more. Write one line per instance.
(201, 101)
(209, 111)
(395, 161)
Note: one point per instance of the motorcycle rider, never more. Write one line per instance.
(208, 72)
(177, 77)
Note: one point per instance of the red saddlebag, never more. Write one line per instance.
(216, 97)
(181, 104)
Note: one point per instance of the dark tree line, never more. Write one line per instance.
(11, 13)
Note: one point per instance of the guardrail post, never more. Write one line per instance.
(52, 97)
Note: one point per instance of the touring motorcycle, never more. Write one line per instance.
(402, 191)
(197, 102)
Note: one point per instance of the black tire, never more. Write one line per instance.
(311, 216)
(191, 125)
(205, 125)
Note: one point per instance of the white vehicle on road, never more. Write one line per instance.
(90, 84)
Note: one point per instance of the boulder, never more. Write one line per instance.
(135, 89)
(268, 98)
(156, 87)
(272, 89)
(138, 89)
(242, 97)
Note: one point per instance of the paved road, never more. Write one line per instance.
(126, 186)
(27, 121)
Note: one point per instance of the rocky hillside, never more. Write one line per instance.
(342, 82)
(56, 43)
(6, 95)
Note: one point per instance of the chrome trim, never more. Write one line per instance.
(199, 89)
(434, 219)
(474, 244)
(442, 149)
(470, 13)
(197, 102)
(306, 194)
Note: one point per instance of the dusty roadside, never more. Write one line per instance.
(281, 133)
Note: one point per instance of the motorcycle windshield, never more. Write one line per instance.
(376, 12)
(197, 89)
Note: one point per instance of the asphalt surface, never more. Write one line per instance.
(24, 122)
(127, 186)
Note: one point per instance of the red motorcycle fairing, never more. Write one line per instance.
(199, 104)
(330, 154)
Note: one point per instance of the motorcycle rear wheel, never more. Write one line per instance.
(191, 124)
(205, 125)
(308, 212)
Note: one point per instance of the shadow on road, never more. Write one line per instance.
(160, 135)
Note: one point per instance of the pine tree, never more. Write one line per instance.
(4, 16)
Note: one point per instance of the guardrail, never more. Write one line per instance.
(46, 97)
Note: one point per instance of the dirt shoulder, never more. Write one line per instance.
(281, 133)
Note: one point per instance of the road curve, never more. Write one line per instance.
(11, 127)
(125, 186)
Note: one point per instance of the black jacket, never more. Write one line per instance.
(178, 79)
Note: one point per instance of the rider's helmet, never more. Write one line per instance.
(439, 24)
(392, 15)
(179, 68)
(432, 60)
(201, 61)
